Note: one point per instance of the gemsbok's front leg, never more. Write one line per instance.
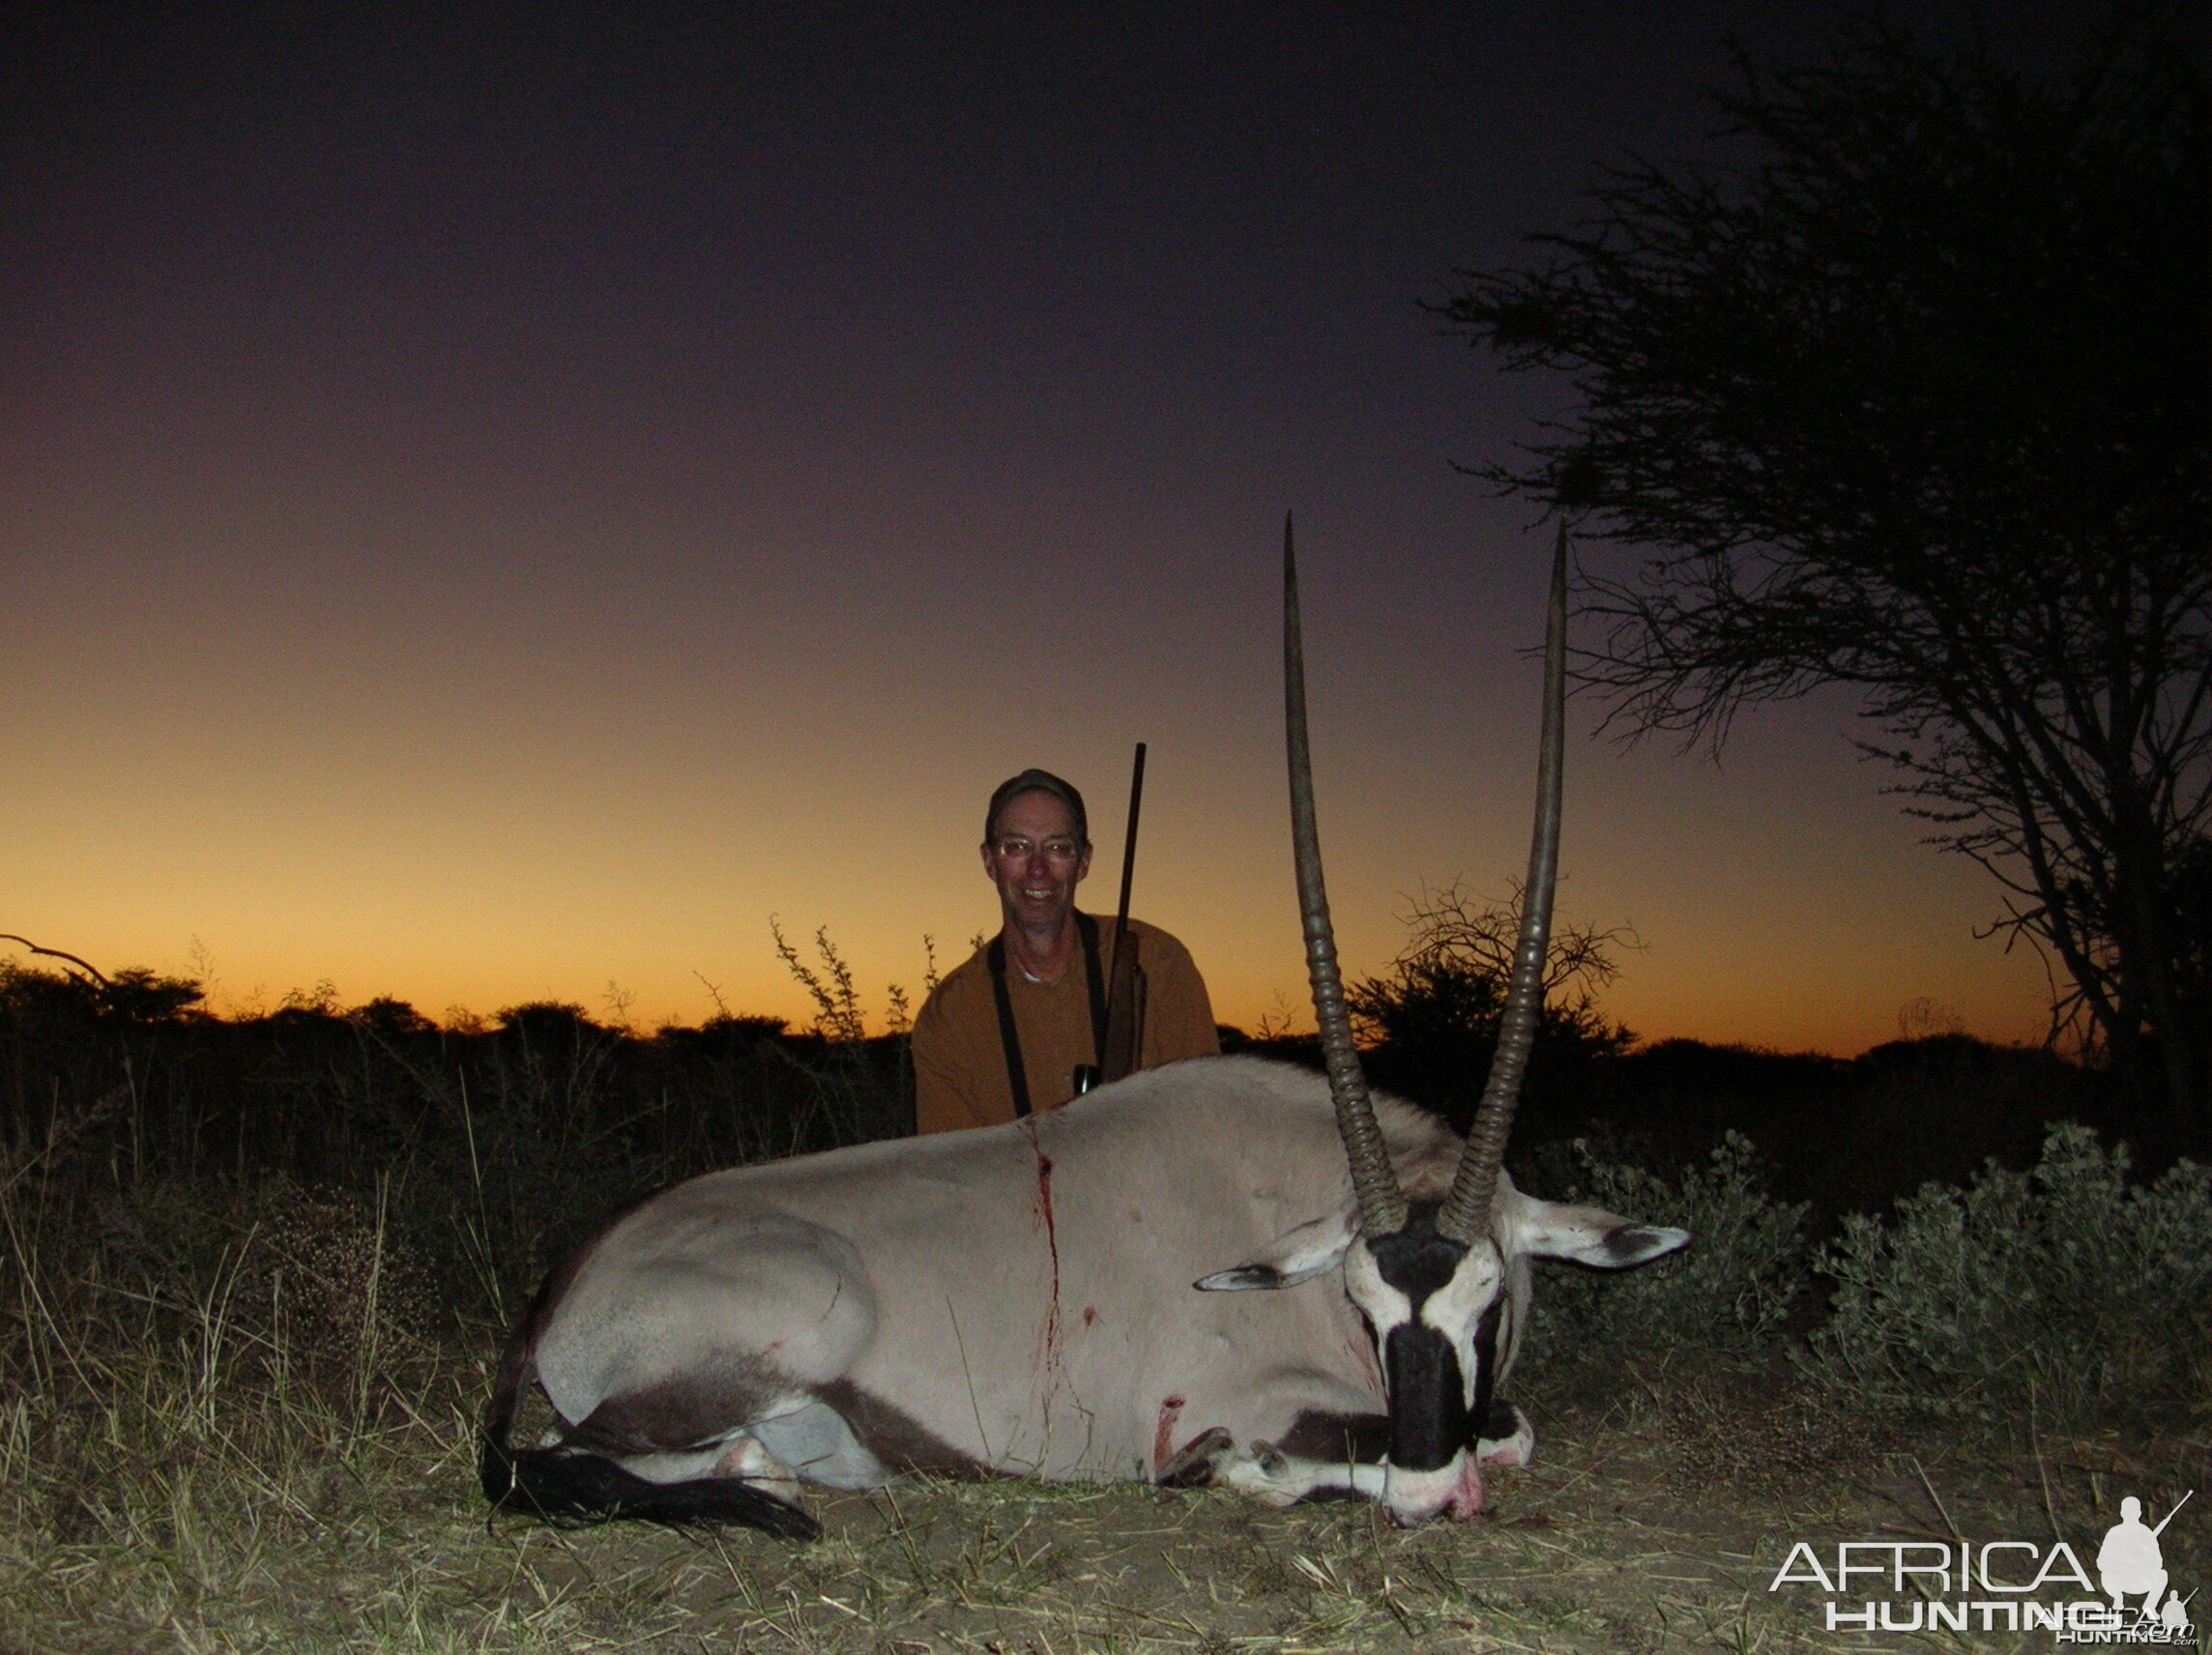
(1333, 1456)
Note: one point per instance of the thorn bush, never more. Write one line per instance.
(2057, 1295)
(1730, 1291)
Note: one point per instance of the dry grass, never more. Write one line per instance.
(227, 1424)
(171, 1504)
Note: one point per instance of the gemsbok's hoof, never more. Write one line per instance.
(1193, 1466)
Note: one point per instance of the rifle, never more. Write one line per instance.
(1125, 994)
(1122, 1042)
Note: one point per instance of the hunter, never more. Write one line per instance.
(1021, 1025)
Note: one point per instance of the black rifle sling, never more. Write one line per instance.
(1016, 1080)
(995, 957)
(1088, 926)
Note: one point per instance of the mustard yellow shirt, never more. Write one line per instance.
(960, 1064)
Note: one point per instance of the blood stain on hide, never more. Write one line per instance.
(1051, 1351)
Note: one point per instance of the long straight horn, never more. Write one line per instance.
(1382, 1203)
(1466, 1212)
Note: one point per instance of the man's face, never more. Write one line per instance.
(1033, 859)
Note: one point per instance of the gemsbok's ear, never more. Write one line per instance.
(1296, 1256)
(1589, 1235)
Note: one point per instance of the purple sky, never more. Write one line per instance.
(498, 503)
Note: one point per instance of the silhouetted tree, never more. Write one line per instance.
(1431, 1024)
(139, 995)
(391, 1018)
(1917, 400)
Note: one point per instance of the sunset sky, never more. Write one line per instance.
(497, 508)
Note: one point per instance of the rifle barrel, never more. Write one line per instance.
(1129, 847)
(1123, 1043)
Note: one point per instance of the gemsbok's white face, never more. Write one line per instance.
(1444, 1318)
(1435, 1281)
(1432, 1306)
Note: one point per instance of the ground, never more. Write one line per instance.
(1654, 1519)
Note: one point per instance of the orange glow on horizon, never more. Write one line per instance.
(630, 884)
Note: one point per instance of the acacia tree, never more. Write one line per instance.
(1914, 398)
(1431, 1025)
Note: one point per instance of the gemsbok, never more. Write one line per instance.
(1224, 1272)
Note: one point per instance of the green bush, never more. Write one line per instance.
(1730, 1291)
(2056, 1294)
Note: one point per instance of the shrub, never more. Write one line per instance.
(863, 1088)
(1730, 1291)
(2053, 1294)
(1431, 1025)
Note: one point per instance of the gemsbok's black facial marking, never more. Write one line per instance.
(1417, 1261)
(1500, 1423)
(1481, 1414)
(1428, 1398)
(1422, 1375)
(1338, 1438)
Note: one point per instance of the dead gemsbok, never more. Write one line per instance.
(1019, 1300)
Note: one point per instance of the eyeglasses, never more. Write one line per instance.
(1013, 848)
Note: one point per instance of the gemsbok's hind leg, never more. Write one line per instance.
(815, 1444)
(677, 1454)
(566, 1485)
(747, 1460)
(798, 1439)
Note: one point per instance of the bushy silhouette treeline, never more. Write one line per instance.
(521, 1133)
(321, 1090)
(1839, 1134)
(527, 1129)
